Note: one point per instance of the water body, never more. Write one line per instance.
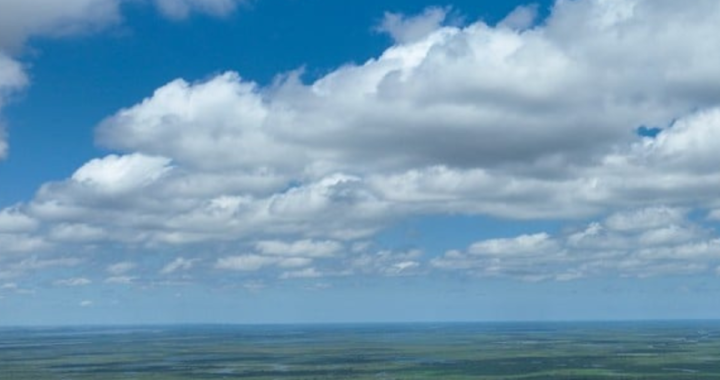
(637, 350)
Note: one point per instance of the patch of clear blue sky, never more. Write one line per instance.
(388, 300)
(78, 81)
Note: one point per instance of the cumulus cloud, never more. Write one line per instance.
(13, 220)
(504, 120)
(652, 247)
(23, 19)
(22, 243)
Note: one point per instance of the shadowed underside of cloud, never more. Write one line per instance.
(513, 121)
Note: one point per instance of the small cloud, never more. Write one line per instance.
(120, 280)
(86, 303)
(304, 248)
(179, 264)
(319, 286)
(79, 281)
(180, 9)
(254, 286)
(9, 286)
(121, 268)
(251, 263)
(302, 273)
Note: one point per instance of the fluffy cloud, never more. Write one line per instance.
(633, 243)
(516, 120)
(22, 19)
(21, 243)
(13, 220)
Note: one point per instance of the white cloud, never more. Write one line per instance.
(121, 267)
(76, 281)
(645, 218)
(251, 263)
(305, 248)
(179, 264)
(114, 175)
(76, 232)
(22, 19)
(652, 247)
(519, 246)
(86, 303)
(301, 274)
(12, 220)
(9, 286)
(387, 263)
(482, 120)
(120, 280)
(12, 78)
(477, 120)
(22, 243)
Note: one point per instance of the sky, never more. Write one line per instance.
(287, 161)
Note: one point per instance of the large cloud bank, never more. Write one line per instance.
(510, 120)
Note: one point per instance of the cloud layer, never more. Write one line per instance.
(510, 120)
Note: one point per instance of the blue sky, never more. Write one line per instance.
(320, 161)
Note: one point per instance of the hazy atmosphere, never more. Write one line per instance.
(288, 161)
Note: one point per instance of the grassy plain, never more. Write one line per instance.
(531, 351)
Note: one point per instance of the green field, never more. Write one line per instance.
(688, 350)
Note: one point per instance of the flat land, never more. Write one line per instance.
(638, 350)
